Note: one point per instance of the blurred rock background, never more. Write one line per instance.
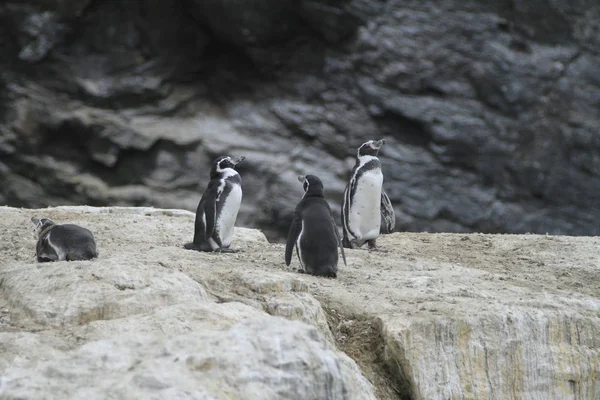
(491, 109)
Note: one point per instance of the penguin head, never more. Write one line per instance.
(370, 148)
(224, 162)
(312, 185)
(41, 224)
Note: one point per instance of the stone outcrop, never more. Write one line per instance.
(490, 108)
(260, 357)
(151, 331)
(439, 316)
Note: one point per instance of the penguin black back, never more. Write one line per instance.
(313, 232)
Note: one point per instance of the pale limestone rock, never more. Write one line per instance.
(249, 235)
(62, 293)
(451, 316)
(147, 211)
(284, 296)
(23, 349)
(258, 358)
(299, 306)
(134, 324)
(522, 354)
(170, 320)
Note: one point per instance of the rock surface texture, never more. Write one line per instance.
(490, 108)
(440, 316)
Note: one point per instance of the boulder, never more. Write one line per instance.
(261, 358)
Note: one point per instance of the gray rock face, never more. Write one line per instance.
(490, 109)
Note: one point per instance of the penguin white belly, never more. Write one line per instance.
(365, 210)
(229, 213)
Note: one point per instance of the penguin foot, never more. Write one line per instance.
(348, 244)
(196, 247)
(373, 246)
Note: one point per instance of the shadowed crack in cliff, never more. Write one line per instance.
(359, 338)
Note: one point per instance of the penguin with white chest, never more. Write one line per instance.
(218, 208)
(365, 202)
(313, 232)
(66, 242)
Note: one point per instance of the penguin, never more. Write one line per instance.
(313, 232)
(65, 242)
(366, 204)
(218, 207)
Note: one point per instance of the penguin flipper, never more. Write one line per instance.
(293, 234)
(210, 209)
(200, 222)
(387, 213)
(348, 196)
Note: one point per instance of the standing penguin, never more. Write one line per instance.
(218, 207)
(65, 242)
(365, 202)
(314, 232)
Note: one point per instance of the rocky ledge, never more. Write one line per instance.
(440, 316)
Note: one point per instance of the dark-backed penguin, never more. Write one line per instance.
(313, 232)
(218, 207)
(365, 202)
(66, 242)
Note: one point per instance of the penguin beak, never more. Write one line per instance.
(237, 160)
(35, 220)
(377, 145)
(301, 178)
